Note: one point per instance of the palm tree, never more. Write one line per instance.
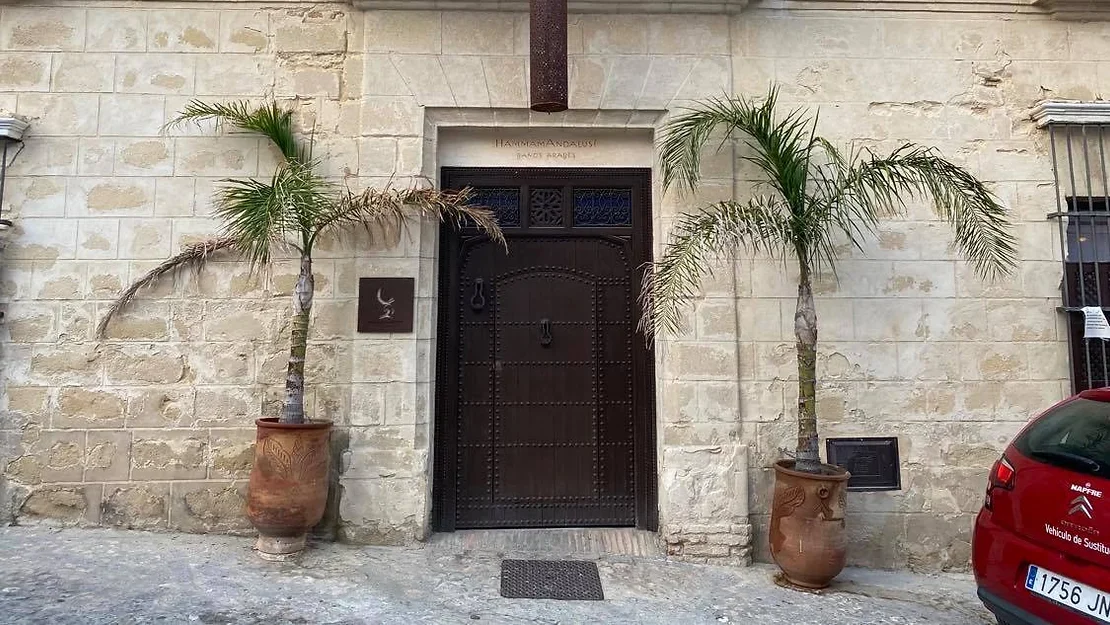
(812, 198)
(290, 212)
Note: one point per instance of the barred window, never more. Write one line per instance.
(1079, 153)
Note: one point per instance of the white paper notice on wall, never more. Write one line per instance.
(1095, 326)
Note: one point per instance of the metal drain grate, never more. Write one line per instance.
(551, 579)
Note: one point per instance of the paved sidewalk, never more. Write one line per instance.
(107, 576)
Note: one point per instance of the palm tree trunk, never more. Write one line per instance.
(805, 330)
(293, 411)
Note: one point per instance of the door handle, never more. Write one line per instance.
(478, 300)
(545, 332)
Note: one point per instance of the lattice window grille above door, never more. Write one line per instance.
(1079, 138)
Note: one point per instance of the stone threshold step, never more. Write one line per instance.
(579, 542)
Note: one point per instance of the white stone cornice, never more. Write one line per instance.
(1060, 112)
(1063, 9)
(575, 6)
(1077, 9)
(1008, 7)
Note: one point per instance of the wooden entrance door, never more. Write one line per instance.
(545, 411)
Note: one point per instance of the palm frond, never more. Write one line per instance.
(392, 208)
(781, 148)
(194, 256)
(698, 239)
(683, 139)
(269, 119)
(840, 202)
(260, 215)
(875, 186)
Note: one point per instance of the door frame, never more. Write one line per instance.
(444, 444)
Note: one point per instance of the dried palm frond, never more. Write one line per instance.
(391, 208)
(194, 256)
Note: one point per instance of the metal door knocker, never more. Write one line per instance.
(545, 332)
(478, 300)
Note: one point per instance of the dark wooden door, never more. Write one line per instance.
(544, 411)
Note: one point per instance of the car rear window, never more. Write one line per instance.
(1074, 436)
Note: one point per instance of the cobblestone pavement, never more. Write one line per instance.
(108, 576)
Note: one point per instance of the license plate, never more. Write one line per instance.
(1069, 592)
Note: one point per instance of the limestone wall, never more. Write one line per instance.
(152, 428)
(915, 345)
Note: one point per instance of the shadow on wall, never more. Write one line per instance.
(328, 527)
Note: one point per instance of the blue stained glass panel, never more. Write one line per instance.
(603, 207)
(503, 201)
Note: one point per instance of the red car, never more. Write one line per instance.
(1041, 546)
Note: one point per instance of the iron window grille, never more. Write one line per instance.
(1079, 163)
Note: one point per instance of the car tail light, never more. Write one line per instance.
(1002, 476)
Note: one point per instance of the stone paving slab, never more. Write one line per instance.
(110, 576)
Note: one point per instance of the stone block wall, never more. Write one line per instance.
(913, 344)
(470, 69)
(152, 428)
(164, 406)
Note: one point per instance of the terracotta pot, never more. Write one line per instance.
(288, 485)
(808, 538)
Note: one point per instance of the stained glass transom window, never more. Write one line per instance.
(603, 207)
(503, 201)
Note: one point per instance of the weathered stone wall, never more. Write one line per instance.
(465, 69)
(125, 431)
(152, 428)
(913, 344)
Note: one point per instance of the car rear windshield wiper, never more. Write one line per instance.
(1091, 466)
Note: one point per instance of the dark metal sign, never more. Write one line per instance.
(385, 304)
(872, 461)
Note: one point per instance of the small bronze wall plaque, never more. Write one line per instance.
(385, 304)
